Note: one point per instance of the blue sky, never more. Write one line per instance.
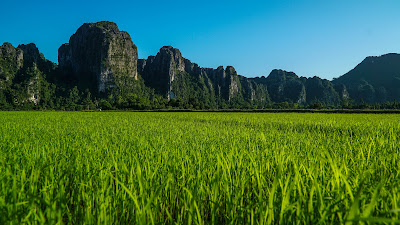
(323, 38)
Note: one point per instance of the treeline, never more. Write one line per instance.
(140, 97)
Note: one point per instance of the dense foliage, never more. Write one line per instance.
(169, 81)
(198, 168)
(375, 79)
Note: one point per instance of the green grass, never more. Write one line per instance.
(199, 168)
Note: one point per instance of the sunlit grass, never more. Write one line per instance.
(198, 168)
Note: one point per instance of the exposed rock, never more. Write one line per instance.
(141, 65)
(100, 55)
(34, 83)
(31, 54)
(280, 85)
(234, 83)
(176, 77)
(286, 86)
(160, 71)
(342, 91)
(375, 79)
(24, 67)
(321, 90)
(11, 61)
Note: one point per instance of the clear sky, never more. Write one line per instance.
(326, 38)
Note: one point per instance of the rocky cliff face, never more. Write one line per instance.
(160, 71)
(375, 79)
(99, 55)
(286, 86)
(11, 61)
(321, 90)
(22, 72)
(176, 77)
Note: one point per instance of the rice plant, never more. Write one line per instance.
(199, 168)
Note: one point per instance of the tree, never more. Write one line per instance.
(87, 101)
(73, 98)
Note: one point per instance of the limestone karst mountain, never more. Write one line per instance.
(99, 53)
(101, 63)
(375, 79)
(174, 76)
(23, 72)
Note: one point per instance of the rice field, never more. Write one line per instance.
(199, 168)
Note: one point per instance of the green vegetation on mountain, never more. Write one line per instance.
(375, 79)
(99, 69)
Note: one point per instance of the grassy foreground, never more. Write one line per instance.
(198, 168)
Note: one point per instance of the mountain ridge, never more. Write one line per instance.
(101, 62)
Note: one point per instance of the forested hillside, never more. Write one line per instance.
(99, 68)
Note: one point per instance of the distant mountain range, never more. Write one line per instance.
(100, 63)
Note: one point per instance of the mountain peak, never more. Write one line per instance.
(375, 79)
(99, 53)
(385, 57)
(105, 25)
(279, 74)
(174, 52)
(167, 47)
